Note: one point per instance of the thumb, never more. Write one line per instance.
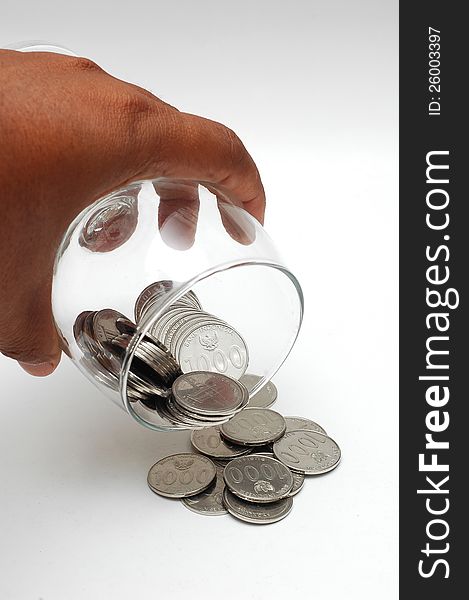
(29, 336)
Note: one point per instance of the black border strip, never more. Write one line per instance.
(433, 258)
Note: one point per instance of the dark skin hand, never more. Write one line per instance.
(70, 133)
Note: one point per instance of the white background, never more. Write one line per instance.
(311, 88)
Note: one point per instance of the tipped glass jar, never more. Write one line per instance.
(144, 291)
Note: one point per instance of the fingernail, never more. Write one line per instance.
(38, 369)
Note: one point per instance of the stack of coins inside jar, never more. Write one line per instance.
(185, 340)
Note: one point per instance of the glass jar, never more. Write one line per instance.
(134, 253)
(119, 246)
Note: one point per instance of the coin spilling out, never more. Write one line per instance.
(208, 441)
(298, 483)
(253, 512)
(298, 478)
(307, 452)
(181, 475)
(258, 478)
(264, 397)
(210, 394)
(203, 398)
(210, 501)
(294, 423)
(254, 427)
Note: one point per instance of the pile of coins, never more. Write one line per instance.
(251, 466)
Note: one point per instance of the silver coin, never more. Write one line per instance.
(258, 478)
(263, 453)
(189, 299)
(159, 325)
(213, 347)
(119, 344)
(298, 478)
(208, 420)
(295, 423)
(298, 483)
(260, 514)
(151, 294)
(125, 325)
(162, 351)
(181, 475)
(210, 501)
(102, 374)
(171, 330)
(167, 418)
(152, 415)
(158, 361)
(133, 395)
(105, 325)
(209, 393)
(254, 427)
(167, 314)
(171, 409)
(172, 313)
(266, 449)
(221, 462)
(142, 384)
(194, 421)
(107, 361)
(85, 338)
(208, 324)
(153, 362)
(202, 319)
(307, 452)
(208, 441)
(79, 333)
(264, 397)
(138, 383)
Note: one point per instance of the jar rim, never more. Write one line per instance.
(176, 294)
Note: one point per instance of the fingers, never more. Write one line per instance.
(28, 333)
(183, 146)
(236, 223)
(178, 211)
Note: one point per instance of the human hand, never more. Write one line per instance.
(70, 133)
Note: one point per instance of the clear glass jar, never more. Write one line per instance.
(130, 239)
(119, 246)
